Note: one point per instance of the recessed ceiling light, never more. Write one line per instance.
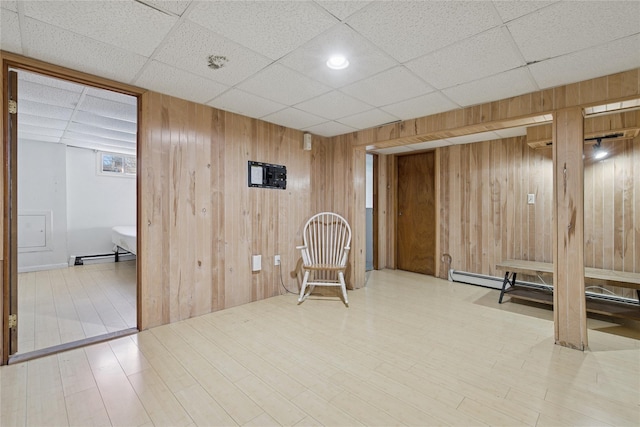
(337, 62)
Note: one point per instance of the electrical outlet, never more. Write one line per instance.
(276, 260)
(256, 263)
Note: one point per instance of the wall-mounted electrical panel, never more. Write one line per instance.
(266, 175)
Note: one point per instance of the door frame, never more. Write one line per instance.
(9, 254)
(376, 167)
(10, 244)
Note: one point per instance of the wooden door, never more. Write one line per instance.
(416, 220)
(10, 270)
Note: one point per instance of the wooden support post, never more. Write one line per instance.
(569, 304)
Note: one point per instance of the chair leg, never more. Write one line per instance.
(343, 285)
(303, 287)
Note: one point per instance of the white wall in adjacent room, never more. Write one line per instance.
(95, 203)
(42, 192)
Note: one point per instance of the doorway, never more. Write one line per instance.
(371, 181)
(416, 219)
(73, 169)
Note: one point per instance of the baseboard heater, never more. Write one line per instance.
(95, 259)
(496, 283)
(79, 259)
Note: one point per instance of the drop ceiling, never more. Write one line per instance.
(407, 58)
(58, 111)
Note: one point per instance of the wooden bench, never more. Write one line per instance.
(544, 293)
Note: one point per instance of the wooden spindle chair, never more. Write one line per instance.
(327, 239)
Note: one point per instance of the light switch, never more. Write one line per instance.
(531, 199)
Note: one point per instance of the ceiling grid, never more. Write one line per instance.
(407, 59)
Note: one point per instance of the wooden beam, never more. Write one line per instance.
(523, 110)
(626, 123)
(569, 312)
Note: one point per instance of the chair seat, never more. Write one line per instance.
(326, 267)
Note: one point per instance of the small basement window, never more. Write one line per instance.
(114, 164)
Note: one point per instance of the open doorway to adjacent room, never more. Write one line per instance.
(75, 171)
(371, 215)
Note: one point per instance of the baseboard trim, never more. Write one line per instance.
(42, 267)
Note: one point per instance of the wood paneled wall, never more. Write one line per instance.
(199, 221)
(338, 185)
(386, 210)
(612, 210)
(484, 215)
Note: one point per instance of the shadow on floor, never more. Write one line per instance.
(622, 327)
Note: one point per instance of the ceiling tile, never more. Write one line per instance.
(342, 9)
(71, 136)
(388, 87)
(82, 131)
(90, 129)
(364, 58)
(479, 56)
(333, 105)
(34, 120)
(407, 30)
(48, 95)
(499, 86)
(465, 49)
(128, 126)
(26, 136)
(237, 101)
(25, 76)
(329, 129)
(111, 95)
(271, 28)
(162, 78)
(190, 45)
(108, 108)
(43, 110)
(606, 59)
(100, 147)
(11, 5)
(292, 118)
(175, 7)
(128, 25)
(420, 106)
(10, 39)
(61, 47)
(548, 33)
(283, 85)
(33, 130)
(510, 10)
(371, 118)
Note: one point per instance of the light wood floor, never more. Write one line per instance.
(410, 350)
(65, 305)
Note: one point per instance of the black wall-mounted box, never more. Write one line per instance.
(266, 175)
